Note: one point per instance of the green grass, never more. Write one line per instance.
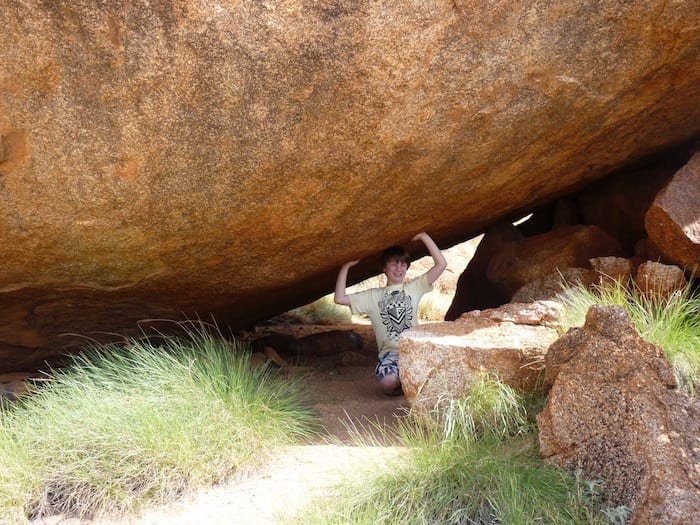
(491, 409)
(671, 322)
(134, 424)
(474, 460)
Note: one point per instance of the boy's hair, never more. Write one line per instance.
(396, 252)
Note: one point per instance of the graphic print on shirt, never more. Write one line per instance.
(396, 312)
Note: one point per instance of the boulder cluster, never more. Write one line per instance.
(613, 413)
(182, 159)
(640, 225)
(614, 410)
(170, 160)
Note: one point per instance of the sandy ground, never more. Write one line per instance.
(284, 487)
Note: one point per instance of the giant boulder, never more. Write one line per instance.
(173, 158)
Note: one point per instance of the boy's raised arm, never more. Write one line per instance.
(341, 296)
(440, 263)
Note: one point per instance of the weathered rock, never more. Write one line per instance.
(173, 158)
(521, 262)
(646, 250)
(618, 203)
(612, 269)
(344, 347)
(659, 280)
(327, 343)
(443, 360)
(535, 313)
(613, 413)
(268, 357)
(549, 286)
(13, 386)
(673, 220)
(280, 342)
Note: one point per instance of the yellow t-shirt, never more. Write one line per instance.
(391, 309)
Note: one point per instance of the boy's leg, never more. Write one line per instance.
(387, 373)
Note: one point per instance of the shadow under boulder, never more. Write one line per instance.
(340, 347)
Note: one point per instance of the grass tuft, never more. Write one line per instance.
(473, 461)
(669, 321)
(491, 408)
(127, 425)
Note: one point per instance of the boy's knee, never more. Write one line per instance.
(390, 384)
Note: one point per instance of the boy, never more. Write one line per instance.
(394, 308)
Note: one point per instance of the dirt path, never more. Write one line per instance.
(342, 397)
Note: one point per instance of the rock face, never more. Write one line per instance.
(612, 269)
(618, 204)
(613, 413)
(443, 360)
(548, 287)
(473, 290)
(673, 220)
(522, 262)
(172, 158)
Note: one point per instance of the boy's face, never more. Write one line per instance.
(395, 271)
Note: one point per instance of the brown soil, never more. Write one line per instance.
(341, 388)
(349, 395)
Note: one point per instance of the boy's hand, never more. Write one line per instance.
(419, 236)
(351, 263)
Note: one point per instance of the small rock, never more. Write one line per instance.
(659, 280)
